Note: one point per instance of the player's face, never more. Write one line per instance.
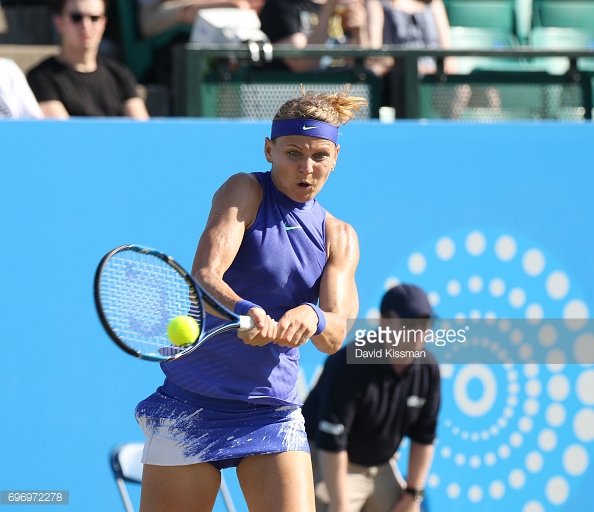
(81, 24)
(301, 165)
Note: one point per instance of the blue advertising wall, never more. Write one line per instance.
(492, 220)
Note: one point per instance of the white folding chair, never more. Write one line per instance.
(126, 467)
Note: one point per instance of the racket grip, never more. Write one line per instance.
(245, 323)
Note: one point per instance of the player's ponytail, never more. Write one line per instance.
(337, 109)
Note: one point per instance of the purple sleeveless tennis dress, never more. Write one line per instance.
(227, 399)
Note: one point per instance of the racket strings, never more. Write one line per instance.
(140, 295)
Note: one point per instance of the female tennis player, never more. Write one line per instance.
(270, 251)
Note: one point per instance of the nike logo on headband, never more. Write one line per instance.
(305, 128)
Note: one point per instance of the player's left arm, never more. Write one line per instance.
(338, 301)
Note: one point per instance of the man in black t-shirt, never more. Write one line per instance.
(77, 82)
(357, 414)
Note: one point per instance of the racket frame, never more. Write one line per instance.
(239, 322)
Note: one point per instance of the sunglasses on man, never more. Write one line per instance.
(77, 17)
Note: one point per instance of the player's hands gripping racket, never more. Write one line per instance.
(139, 291)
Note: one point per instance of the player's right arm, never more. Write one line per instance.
(234, 209)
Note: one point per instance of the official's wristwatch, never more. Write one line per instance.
(416, 492)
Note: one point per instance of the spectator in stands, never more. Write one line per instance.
(357, 414)
(301, 22)
(416, 24)
(79, 82)
(16, 98)
(3, 23)
(413, 24)
(158, 16)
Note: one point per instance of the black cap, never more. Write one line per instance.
(407, 301)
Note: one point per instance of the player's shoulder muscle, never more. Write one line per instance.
(341, 238)
(241, 192)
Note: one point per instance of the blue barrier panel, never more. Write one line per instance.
(489, 219)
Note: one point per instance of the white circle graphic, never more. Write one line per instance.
(475, 284)
(517, 478)
(497, 489)
(475, 243)
(478, 407)
(557, 285)
(547, 440)
(391, 282)
(555, 415)
(533, 388)
(575, 309)
(475, 493)
(575, 460)
(504, 451)
(583, 348)
(534, 462)
(496, 287)
(453, 288)
(516, 439)
(417, 263)
(534, 312)
(525, 425)
(531, 407)
(533, 506)
(517, 297)
(533, 262)
(433, 298)
(445, 248)
(558, 387)
(547, 335)
(583, 425)
(557, 490)
(584, 387)
(505, 248)
(433, 480)
(453, 490)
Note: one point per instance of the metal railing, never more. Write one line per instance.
(196, 65)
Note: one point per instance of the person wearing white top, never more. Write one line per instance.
(17, 101)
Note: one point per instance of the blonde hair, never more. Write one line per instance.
(336, 109)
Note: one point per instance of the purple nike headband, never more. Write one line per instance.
(308, 127)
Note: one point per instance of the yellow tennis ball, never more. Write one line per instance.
(183, 330)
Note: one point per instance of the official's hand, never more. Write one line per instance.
(264, 331)
(296, 326)
(407, 504)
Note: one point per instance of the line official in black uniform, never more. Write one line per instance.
(357, 414)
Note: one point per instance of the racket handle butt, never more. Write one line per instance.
(245, 323)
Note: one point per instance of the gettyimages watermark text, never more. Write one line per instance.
(487, 341)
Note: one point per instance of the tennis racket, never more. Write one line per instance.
(139, 290)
